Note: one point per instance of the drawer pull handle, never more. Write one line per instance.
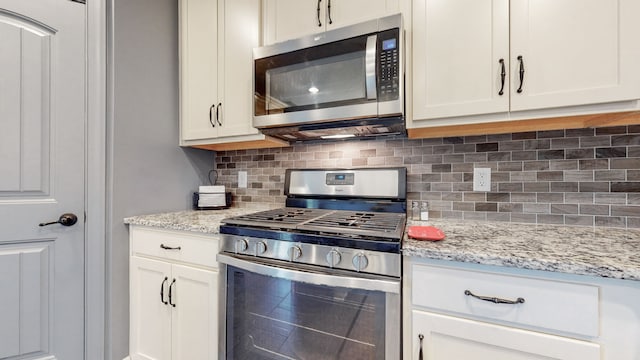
(420, 356)
(494, 300)
(163, 246)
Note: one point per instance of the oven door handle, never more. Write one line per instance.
(315, 278)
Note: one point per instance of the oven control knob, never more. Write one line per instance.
(333, 257)
(241, 245)
(294, 252)
(261, 248)
(360, 262)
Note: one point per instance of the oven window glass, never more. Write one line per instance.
(323, 76)
(273, 318)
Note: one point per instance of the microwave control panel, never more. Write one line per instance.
(388, 64)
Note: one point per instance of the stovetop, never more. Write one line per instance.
(347, 219)
(343, 223)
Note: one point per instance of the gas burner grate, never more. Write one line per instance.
(329, 222)
(371, 224)
(283, 218)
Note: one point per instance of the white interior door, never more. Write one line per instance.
(42, 117)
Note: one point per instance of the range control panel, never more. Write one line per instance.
(340, 179)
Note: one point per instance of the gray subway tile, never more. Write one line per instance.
(538, 186)
(611, 152)
(611, 130)
(550, 219)
(625, 187)
(582, 153)
(524, 155)
(587, 209)
(618, 210)
(579, 220)
(625, 140)
(564, 208)
(563, 186)
(610, 221)
(630, 163)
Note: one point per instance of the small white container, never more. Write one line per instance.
(424, 211)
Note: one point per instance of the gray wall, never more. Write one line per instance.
(147, 171)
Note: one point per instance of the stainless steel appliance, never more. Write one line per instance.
(339, 83)
(319, 278)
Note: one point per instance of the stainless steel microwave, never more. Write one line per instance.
(341, 83)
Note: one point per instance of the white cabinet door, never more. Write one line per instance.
(459, 49)
(195, 315)
(239, 19)
(574, 52)
(447, 337)
(289, 19)
(348, 12)
(150, 326)
(198, 68)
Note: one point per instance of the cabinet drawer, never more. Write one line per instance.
(194, 248)
(559, 306)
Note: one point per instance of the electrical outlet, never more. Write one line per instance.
(242, 179)
(482, 179)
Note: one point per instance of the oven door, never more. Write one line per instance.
(276, 311)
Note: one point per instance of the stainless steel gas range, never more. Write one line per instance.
(319, 278)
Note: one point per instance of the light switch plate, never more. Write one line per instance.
(242, 179)
(482, 179)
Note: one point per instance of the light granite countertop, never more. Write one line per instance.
(203, 221)
(603, 252)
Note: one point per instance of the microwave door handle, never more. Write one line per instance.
(370, 67)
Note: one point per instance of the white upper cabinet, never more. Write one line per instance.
(199, 68)
(459, 49)
(217, 38)
(568, 53)
(574, 52)
(289, 19)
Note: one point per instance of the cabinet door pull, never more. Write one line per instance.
(494, 299)
(218, 114)
(521, 73)
(211, 115)
(420, 356)
(318, 14)
(171, 292)
(162, 291)
(503, 76)
(329, 12)
(165, 247)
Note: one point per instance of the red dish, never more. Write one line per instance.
(426, 233)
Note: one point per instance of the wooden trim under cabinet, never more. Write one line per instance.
(502, 127)
(244, 145)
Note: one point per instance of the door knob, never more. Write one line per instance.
(67, 219)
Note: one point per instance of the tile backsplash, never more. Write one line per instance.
(582, 177)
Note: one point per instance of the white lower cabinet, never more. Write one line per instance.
(449, 337)
(457, 310)
(173, 295)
